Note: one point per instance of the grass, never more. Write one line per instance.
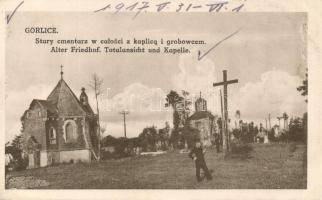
(269, 166)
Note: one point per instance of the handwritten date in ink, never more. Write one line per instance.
(169, 6)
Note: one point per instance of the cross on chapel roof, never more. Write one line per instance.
(61, 71)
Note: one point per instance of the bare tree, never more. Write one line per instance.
(96, 84)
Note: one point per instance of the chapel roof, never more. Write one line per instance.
(46, 105)
(66, 101)
(201, 115)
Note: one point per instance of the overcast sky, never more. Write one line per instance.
(267, 55)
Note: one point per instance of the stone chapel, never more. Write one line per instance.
(204, 121)
(60, 129)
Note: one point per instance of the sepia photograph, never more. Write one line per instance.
(156, 101)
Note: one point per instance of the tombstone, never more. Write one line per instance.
(186, 145)
(276, 132)
(266, 138)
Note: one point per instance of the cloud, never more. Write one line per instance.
(196, 76)
(146, 107)
(274, 93)
(137, 97)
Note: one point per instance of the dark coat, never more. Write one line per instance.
(198, 153)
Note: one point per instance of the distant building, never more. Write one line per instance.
(61, 128)
(204, 121)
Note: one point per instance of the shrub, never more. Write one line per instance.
(240, 149)
(20, 164)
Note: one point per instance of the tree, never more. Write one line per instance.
(304, 87)
(164, 136)
(96, 85)
(180, 106)
(15, 148)
(304, 121)
(297, 131)
(186, 105)
(148, 138)
(172, 99)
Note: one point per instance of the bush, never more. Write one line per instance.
(20, 164)
(240, 149)
(107, 155)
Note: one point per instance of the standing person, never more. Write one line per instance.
(197, 154)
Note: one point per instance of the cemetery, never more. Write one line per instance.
(239, 154)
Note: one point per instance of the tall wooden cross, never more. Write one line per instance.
(225, 83)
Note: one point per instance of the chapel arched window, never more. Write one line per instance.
(70, 132)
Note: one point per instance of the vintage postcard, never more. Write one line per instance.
(121, 98)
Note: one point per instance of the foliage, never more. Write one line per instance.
(122, 146)
(164, 136)
(304, 87)
(297, 131)
(176, 120)
(186, 135)
(180, 105)
(304, 125)
(172, 100)
(240, 149)
(246, 132)
(148, 138)
(177, 138)
(15, 148)
(186, 103)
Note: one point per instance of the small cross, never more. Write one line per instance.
(61, 71)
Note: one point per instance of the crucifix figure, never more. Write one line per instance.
(225, 83)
